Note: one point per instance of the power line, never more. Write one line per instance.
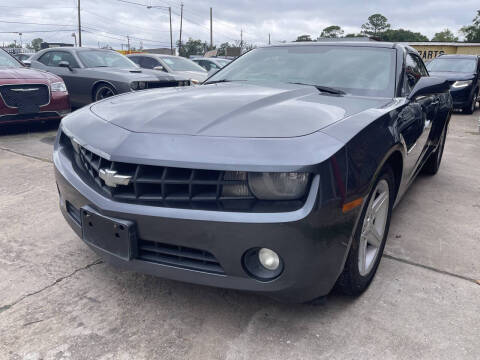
(36, 31)
(28, 23)
(100, 32)
(36, 8)
(143, 5)
(118, 22)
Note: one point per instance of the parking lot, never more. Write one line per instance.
(58, 300)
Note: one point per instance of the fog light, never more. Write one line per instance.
(269, 259)
(262, 264)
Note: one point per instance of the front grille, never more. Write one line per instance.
(179, 256)
(163, 84)
(28, 94)
(174, 187)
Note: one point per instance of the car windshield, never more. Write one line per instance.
(8, 61)
(181, 64)
(452, 65)
(99, 58)
(359, 70)
(222, 62)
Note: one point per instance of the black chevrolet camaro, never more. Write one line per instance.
(276, 176)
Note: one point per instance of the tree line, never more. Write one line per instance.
(378, 28)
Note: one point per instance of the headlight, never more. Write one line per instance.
(58, 87)
(138, 85)
(461, 83)
(278, 186)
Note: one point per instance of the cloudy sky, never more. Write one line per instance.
(110, 21)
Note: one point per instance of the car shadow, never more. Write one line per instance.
(28, 127)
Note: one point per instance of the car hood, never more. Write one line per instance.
(232, 110)
(452, 76)
(197, 75)
(26, 74)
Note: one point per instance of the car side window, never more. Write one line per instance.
(148, 62)
(413, 73)
(421, 65)
(135, 59)
(53, 58)
(205, 64)
(45, 58)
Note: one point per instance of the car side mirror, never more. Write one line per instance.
(65, 64)
(429, 85)
(27, 63)
(159, 67)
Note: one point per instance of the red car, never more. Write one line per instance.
(28, 94)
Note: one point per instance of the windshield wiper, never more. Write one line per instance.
(322, 88)
(220, 81)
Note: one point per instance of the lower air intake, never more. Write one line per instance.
(178, 256)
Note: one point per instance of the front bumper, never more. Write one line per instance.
(57, 108)
(313, 241)
(461, 97)
(41, 116)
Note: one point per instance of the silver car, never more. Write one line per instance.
(212, 65)
(94, 74)
(176, 65)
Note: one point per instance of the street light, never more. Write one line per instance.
(75, 36)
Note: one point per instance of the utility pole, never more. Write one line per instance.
(181, 23)
(128, 43)
(241, 41)
(171, 36)
(269, 43)
(79, 27)
(211, 29)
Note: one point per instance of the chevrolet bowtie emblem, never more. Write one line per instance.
(113, 179)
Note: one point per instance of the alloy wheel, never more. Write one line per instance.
(441, 146)
(474, 102)
(104, 92)
(373, 228)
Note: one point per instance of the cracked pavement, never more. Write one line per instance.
(59, 301)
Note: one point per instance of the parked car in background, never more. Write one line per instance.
(95, 74)
(212, 65)
(278, 175)
(463, 71)
(28, 94)
(24, 56)
(176, 65)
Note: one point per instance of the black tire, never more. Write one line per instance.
(433, 163)
(351, 281)
(470, 107)
(103, 91)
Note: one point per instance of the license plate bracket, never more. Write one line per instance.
(28, 109)
(115, 236)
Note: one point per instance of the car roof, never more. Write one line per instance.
(72, 49)
(378, 44)
(373, 44)
(154, 55)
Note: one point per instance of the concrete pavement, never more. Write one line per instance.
(59, 301)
